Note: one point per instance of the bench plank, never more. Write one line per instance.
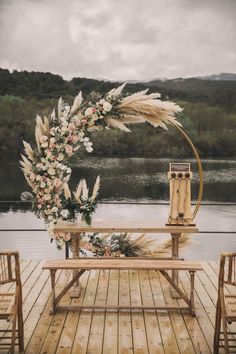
(108, 263)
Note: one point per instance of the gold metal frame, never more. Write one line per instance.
(200, 173)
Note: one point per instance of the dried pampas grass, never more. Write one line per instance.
(141, 107)
(116, 123)
(96, 188)
(166, 244)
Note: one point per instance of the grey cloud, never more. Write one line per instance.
(119, 40)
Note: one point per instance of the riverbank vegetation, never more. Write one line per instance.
(209, 116)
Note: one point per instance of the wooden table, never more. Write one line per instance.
(105, 227)
(125, 227)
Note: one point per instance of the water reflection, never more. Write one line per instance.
(135, 179)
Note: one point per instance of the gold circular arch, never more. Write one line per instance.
(200, 173)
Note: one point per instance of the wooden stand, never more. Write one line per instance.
(179, 176)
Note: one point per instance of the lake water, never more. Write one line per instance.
(136, 180)
(133, 179)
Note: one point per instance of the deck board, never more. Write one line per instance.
(111, 332)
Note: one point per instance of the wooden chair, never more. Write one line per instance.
(11, 301)
(226, 305)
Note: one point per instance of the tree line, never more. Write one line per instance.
(209, 115)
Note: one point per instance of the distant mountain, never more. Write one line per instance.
(218, 77)
(212, 77)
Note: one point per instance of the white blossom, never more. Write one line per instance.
(107, 106)
(89, 111)
(89, 149)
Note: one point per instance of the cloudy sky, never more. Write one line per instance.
(119, 39)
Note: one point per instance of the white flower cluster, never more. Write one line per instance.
(58, 138)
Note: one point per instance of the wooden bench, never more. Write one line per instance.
(83, 264)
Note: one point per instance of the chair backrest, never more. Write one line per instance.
(227, 274)
(9, 268)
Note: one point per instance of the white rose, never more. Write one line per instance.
(107, 106)
(39, 166)
(95, 117)
(51, 171)
(61, 157)
(89, 149)
(44, 145)
(89, 111)
(89, 143)
(75, 139)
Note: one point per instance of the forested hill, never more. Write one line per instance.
(209, 115)
(47, 85)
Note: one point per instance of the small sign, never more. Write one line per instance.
(179, 167)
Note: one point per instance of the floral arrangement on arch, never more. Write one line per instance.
(67, 130)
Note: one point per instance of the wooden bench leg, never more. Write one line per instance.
(192, 276)
(53, 304)
(175, 256)
(76, 288)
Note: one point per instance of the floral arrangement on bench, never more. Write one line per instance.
(62, 135)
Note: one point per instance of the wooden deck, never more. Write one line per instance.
(113, 332)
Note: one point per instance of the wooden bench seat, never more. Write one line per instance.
(83, 264)
(122, 263)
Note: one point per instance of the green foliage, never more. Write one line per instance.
(122, 244)
(209, 116)
(116, 245)
(17, 121)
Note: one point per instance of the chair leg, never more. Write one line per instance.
(20, 325)
(13, 337)
(224, 322)
(20, 322)
(217, 327)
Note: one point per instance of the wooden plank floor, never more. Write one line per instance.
(80, 332)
